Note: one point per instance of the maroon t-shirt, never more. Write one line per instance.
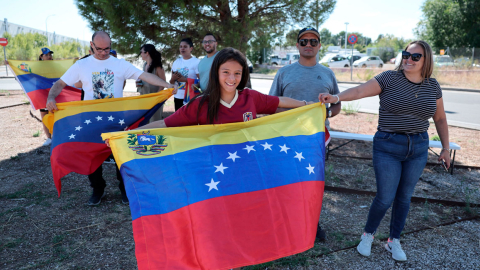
(244, 107)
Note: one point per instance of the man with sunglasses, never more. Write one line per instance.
(306, 79)
(210, 46)
(102, 76)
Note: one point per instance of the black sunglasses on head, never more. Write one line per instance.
(304, 42)
(415, 56)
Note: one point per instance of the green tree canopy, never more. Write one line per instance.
(454, 23)
(28, 47)
(166, 22)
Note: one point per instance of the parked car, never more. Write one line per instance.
(355, 57)
(290, 58)
(463, 62)
(368, 61)
(250, 66)
(338, 62)
(443, 60)
(274, 60)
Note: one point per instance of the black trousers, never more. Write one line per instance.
(178, 103)
(98, 183)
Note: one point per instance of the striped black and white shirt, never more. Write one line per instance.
(400, 110)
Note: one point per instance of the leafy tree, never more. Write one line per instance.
(166, 22)
(454, 23)
(387, 46)
(28, 47)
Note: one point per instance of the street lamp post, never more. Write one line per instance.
(346, 24)
(46, 28)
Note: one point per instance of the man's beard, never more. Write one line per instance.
(211, 50)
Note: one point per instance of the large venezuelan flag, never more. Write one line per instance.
(76, 129)
(37, 77)
(224, 196)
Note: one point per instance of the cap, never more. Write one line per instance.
(307, 30)
(113, 52)
(46, 50)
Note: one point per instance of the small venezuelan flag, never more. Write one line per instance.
(224, 196)
(76, 129)
(37, 77)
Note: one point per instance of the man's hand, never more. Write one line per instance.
(51, 105)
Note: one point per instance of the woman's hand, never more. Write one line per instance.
(445, 156)
(327, 98)
(107, 142)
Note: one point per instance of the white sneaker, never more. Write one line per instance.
(365, 246)
(396, 249)
(47, 142)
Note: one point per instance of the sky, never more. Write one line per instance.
(369, 17)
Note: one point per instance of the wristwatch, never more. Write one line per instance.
(329, 113)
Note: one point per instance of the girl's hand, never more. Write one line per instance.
(107, 142)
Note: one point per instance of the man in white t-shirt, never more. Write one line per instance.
(102, 76)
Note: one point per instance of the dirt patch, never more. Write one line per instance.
(38, 230)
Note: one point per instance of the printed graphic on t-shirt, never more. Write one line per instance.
(247, 116)
(103, 84)
(184, 72)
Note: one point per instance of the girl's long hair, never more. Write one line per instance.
(212, 94)
(155, 55)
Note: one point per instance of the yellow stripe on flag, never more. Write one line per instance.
(48, 69)
(300, 121)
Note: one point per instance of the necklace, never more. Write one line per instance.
(418, 90)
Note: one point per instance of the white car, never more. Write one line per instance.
(338, 62)
(368, 61)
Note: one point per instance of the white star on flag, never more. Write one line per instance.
(299, 156)
(310, 169)
(212, 185)
(99, 118)
(78, 128)
(220, 168)
(122, 122)
(266, 146)
(71, 137)
(233, 156)
(87, 121)
(284, 148)
(249, 148)
(110, 118)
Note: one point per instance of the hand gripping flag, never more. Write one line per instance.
(224, 196)
(37, 77)
(76, 130)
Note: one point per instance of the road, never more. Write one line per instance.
(462, 108)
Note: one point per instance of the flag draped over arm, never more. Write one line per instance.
(76, 129)
(37, 77)
(224, 196)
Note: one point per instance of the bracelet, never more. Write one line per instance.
(338, 99)
(445, 149)
(305, 102)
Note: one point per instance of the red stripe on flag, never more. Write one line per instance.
(38, 98)
(231, 231)
(92, 156)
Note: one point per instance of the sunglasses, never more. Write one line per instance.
(304, 42)
(415, 56)
(208, 41)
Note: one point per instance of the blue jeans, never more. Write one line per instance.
(398, 161)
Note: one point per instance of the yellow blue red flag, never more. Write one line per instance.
(77, 126)
(37, 77)
(224, 196)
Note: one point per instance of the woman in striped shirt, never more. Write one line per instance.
(408, 98)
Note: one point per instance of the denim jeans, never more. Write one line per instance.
(398, 161)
